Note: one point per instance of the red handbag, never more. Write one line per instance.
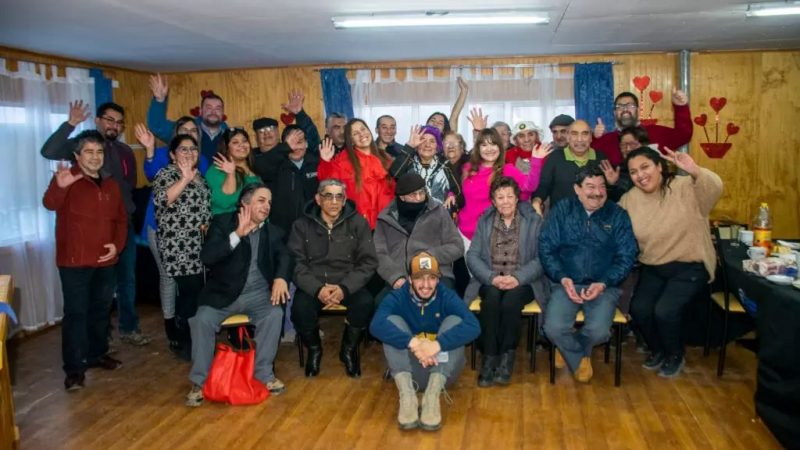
(230, 379)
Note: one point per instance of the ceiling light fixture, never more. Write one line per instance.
(441, 18)
(787, 8)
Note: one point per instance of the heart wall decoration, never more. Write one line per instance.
(716, 149)
(641, 83)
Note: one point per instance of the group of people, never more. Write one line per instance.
(404, 236)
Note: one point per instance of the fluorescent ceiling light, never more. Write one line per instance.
(773, 9)
(441, 18)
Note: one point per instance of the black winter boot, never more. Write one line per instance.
(488, 367)
(349, 350)
(314, 345)
(506, 367)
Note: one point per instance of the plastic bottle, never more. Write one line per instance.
(762, 228)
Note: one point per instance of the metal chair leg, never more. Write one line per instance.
(534, 324)
(473, 354)
(618, 356)
(299, 341)
(552, 357)
(723, 346)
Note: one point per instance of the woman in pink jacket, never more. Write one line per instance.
(487, 162)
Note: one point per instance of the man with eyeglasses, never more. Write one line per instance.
(335, 258)
(267, 128)
(626, 114)
(211, 121)
(120, 164)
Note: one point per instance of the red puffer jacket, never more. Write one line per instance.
(88, 217)
(377, 189)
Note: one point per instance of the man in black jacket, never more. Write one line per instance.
(335, 257)
(250, 272)
(290, 172)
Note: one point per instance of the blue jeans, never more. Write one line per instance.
(559, 321)
(126, 285)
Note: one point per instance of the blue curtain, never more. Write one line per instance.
(103, 91)
(594, 93)
(336, 92)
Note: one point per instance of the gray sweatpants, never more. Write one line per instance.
(206, 323)
(403, 360)
(166, 284)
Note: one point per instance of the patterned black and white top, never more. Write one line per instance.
(180, 224)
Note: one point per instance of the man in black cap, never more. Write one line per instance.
(266, 129)
(559, 126)
(411, 223)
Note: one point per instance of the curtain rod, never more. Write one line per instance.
(469, 66)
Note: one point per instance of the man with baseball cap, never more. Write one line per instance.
(266, 129)
(424, 328)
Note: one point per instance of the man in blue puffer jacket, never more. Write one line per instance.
(587, 248)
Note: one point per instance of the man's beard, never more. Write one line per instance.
(111, 135)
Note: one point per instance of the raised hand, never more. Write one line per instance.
(540, 151)
(477, 119)
(679, 97)
(111, 252)
(683, 161)
(146, 138)
(78, 112)
(64, 177)
(399, 283)
(187, 171)
(295, 104)
(449, 202)
(224, 164)
(611, 173)
(245, 224)
(415, 137)
(326, 150)
(462, 85)
(599, 129)
(293, 140)
(159, 87)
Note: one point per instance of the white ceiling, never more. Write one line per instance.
(167, 35)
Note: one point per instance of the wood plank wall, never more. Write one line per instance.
(761, 88)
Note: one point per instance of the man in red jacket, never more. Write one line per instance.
(91, 230)
(626, 113)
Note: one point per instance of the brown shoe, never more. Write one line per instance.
(584, 372)
(106, 362)
(74, 382)
(560, 363)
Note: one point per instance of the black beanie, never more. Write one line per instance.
(408, 183)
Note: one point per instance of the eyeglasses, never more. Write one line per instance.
(268, 129)
(628, 106)
(328, 197)
(112, 121)
(186, 149)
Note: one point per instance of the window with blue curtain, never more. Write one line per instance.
(594, 93)
(336, 92)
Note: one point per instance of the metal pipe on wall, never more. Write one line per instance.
(685, 57)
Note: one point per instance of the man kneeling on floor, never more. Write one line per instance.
(250, 272)
(424, 327)
(587, 246)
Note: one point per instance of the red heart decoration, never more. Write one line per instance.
(656, 96)
(717, 103)
(195, 111)
(203, 94)
(641, 83)
(701, 119)
(732, 129)
(287, 119)
(224, 118)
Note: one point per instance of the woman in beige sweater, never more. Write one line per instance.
(670, 220)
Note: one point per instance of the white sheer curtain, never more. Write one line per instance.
(31, 108)
(509, 94)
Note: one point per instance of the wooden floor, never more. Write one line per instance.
(141, 405)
